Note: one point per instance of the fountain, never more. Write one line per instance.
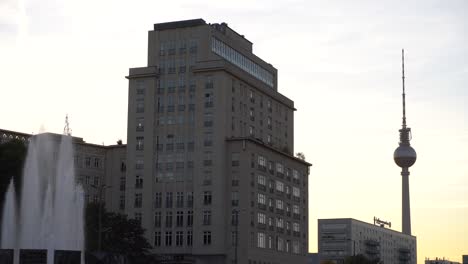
(49, 214)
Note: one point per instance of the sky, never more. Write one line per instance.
(340, 61)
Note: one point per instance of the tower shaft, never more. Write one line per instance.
(405, 200)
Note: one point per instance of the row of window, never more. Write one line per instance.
(280, 244)
(281, 171)
(280, 205)
(179, 219)
(280, 186)
(280, 223)
(180, 47)
(241, 61)
(180, 238)
(180, 198)
(89, 162)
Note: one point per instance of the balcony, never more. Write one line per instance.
(261, 226)
(261, 187)
(261, 206)
(280, 211)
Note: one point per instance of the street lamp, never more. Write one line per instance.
(100, 189)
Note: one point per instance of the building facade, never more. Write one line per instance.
(344, 237)
(211, 173)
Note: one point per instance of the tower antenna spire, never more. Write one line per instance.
(405, 156)
(403, 84)
(67, 130)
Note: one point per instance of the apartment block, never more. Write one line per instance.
(211, 173)
(343, 237)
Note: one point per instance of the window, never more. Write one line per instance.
(296, 227)
(206, 217)
(251, 131)
(88, 162)
(296, 247)
(208, 120)
(96, 162)
(169, 200)
(262, 161)
(279, 223)
(140, 107)
(140, 126)
(121, 184)
(139, 143)
(122, 202)
(169, 238)
(261, 198)
(235, 217)
(295, 174)
(296, 192)
(189, 218)
(180, 199)
(279, 204)
(206, 237)
(261, 218)
(269, 123)
(158, 200)
(180, 218)
(189, 238)
(207, 197)
(208, 100)
(235, 198)
(270, 242)
(138, 182)
(261, 240)
(279, 168)
(235, 159)
(96, 181)
(168, 219)
(279, 244)
(236, 58)
(279, 186)
(139, 165)
(190, 199)
(157, 219)
(261, 180)
(179, 238)
(295, 209)
(138, 200)
(157, 239)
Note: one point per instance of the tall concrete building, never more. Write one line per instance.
(343, 237)
(211, 172)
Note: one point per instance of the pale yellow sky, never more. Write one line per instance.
(338, 60)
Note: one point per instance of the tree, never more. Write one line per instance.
(12, 156)
(300, 155)
(119, 234)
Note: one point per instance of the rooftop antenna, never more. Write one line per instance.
(67, 130)
(403, 85)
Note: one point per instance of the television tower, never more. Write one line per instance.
(405, 157)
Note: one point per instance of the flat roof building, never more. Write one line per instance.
(343, 237)
(211, 173)
(439, 261)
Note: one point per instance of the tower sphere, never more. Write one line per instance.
(404, 156)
